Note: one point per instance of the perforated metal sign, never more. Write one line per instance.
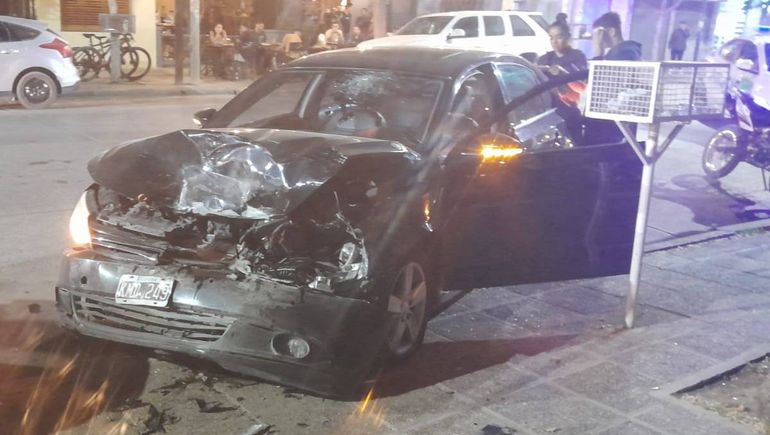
(647, 92)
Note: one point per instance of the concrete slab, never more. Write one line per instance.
(663, 361)
(612, 385)
(545, 409)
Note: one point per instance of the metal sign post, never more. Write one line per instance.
(652, 93)
(114, 46)
(116, 24)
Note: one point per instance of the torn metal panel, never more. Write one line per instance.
(238, 173)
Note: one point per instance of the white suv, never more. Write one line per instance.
(35, 63)
(514, 32)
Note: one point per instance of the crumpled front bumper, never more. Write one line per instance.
(231, 323)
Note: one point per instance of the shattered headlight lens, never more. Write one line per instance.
(353, 261)
(80, 233)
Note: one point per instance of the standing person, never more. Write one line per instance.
(609, 44)
(346, 18)
(678, 42)
(364, 22)
(561, 18)
(608, 40)
(562, 60)
(563, 55)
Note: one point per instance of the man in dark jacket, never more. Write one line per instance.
(678, 42)
(608, 40)
(609, 45)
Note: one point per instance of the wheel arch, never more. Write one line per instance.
(38, 69)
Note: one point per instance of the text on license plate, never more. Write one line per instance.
(144, 290)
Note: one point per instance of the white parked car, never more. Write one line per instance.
(514, 32)
(35, 63)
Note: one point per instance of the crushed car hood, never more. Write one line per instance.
(248, 173)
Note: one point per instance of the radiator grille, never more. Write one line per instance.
(179, 324)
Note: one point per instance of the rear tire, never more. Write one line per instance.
(143, 63)
(36, 90)
(723, 152)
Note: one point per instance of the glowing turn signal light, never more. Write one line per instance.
(497, 153)
(80, 233)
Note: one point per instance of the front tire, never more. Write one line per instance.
(409, 303)
(36, 90)
(723, 152)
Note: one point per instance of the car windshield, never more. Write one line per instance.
(425, 25)
(374, 104)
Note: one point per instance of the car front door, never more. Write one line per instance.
(470, 31)
(553, 212)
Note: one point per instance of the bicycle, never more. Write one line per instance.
(135, 62)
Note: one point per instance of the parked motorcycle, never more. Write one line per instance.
(746, 138)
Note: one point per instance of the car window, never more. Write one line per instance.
(425, 25)
(518, 80)
(749, 51)
(21, 33)
(478, 97)
(470, 25)
(540, 21)
(283, 99)
(520, 27)
(731, 50)
(494, 26)
(4, 36)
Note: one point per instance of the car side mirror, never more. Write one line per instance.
(200, 118)
(746, 65)
(455, 33)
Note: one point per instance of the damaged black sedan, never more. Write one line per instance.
(304, 232)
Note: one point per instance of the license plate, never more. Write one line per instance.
(144, 290)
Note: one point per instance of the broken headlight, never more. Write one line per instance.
(80, 233)
(353, 261)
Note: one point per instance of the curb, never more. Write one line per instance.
(185, 90)
(718, 233)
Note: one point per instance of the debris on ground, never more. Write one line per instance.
(34, 308)
(178, 384)
(213, 407)
(156, 421)
(259, 429)
(492, 429)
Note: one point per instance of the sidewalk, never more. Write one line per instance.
(556, 360)
(159, 82)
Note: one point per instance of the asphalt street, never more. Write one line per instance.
(43, 172)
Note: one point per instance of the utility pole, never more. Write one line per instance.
(181, 20)
(195, 41)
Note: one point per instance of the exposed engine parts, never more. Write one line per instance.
(316, 252)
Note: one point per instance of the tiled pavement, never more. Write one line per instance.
(554, 358)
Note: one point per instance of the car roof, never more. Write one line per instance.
(23, 22)
(444, 62)
(474, 13)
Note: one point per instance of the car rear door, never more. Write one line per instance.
(524, 37)
(554, 212)
(10, 53)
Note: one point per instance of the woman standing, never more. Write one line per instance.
(563, 58)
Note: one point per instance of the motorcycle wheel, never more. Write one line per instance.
(723, 152)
